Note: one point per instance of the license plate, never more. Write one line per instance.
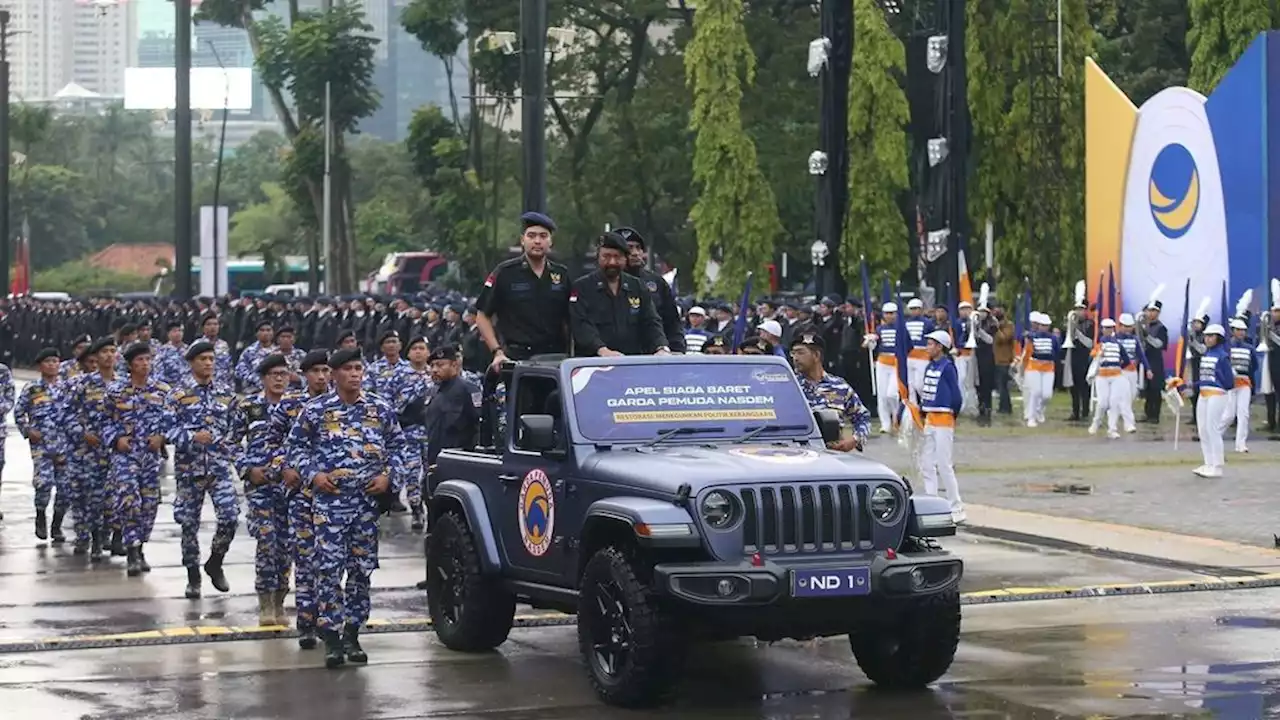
(838, 582)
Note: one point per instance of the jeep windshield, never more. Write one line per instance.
(718, 398)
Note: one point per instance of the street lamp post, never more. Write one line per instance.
(533, 86)
(4, 151)
(182, 149)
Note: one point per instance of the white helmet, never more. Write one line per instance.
(1127, 320)
(1215, 329)
(1108, 322)
(889, 307)
(915, 303)
(942, 337)
(1238, 324)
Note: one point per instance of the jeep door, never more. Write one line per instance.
(528, 517)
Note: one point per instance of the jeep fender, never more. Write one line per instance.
(469, 500)
(637, 513)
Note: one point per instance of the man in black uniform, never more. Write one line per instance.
(663, 299)
(1079, 358)
(1156, 339)
(612, 312)
(529, 297)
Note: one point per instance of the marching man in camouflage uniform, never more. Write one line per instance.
(410, 405)
(223, 371)
(137, 417)
(247, 369)
(38, 416)
(348, 445)
(268, 507)
(86, 414)
(169, 365)
(315, 371)
(204, 454)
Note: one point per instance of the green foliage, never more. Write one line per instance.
(80, 278)
(878, 116)
(1219, 33)
(270, 228)
(735, 215)
(1141, 44)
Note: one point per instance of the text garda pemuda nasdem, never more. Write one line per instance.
(688, 396)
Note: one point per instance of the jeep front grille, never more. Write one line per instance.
(805, 518)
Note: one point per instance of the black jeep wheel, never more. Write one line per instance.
(916, 649)
(469, 611)
(632, 654)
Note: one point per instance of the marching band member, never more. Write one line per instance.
(965, 366)
(940, 401)
(1212, 384)
(1137, 363)
(1155, 337)
(1195, 350)
(918, 326)
(885, 341)
(1037, 386)
(1111, 388)
(1078, 343)
(1244, 363)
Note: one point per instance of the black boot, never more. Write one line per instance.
(55, 529)
(333, 654)
(307, 638)
(396, 505)
(95, 551)
(193, 583)
(417, 523)
(133, 565)
(117, 544)
(42, 525)
(213, 568)
(351, 644)
(142, 560)
(80, 548)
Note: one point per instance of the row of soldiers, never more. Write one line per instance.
(319, 444)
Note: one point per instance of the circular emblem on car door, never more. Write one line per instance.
(537, 512)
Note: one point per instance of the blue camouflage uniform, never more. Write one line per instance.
(833, 393)
(247, 369)
(301, 523)
(169, 365)
(137, 413)
(204, 469)
(352, 444)
(7, 396)
(40, 408)
(86, 415)
(420, 387)
(293, 360)
(267, 511)
(223, 368)
(69, 368)
(396, 386)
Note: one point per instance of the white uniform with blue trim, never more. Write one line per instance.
(1244, 363)
(1111, 387)
(1215, 379)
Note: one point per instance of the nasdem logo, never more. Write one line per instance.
(1174, 190)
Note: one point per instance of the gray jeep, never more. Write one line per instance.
(667, 500)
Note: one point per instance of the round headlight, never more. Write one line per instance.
(884, 503)
(719, 510)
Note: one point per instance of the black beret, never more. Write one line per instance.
(261, 324)
(631, 235)
(444, 352)
(207, 317)
(84, 353)
(387, 335)
(136, 349)
(286, 329)
(105, 341)
(314, 358)
(173, 324)
(614, 241)
(716, 341)
(417, 339)
(757, 342)
(271, 362)
(199, 348)
(128, 329)
(811, 339)
(118, 323)
(342, 357)
(83, 340)
(344, 335)
(47, 353)
(532, 219)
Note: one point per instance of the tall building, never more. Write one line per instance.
(58, 42)
(104, 41)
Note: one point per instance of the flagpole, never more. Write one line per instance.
(326, 232)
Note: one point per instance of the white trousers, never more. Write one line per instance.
(1210, 411)
(1126, 406)
(966, 369)
(915, 377)
(1237, 408)
(935, 460)
(1114, 401)
(887, 395)
(1037, 390)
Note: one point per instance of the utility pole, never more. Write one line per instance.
(836, 22)
(4, 151)
(327, 231)
(181, 150)
(533, 86)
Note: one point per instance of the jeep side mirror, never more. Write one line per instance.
(828, 425)
(537, 433)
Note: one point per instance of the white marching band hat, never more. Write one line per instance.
(965, 304)
(1126, 319)
(1108, 322)
(1215, 329)
(1238, 324)
(914, 303)
(942, 337)
(889, 307)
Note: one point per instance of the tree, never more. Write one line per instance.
(1219, 32)
(270, 228)
(735, 216)
(80, 278)
(1141, 44)
(54, 203)
(878, 116)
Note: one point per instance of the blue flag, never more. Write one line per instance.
(740, 323)
(1112, 309)
(1226, 306)
(869, 313)
(1180, 362)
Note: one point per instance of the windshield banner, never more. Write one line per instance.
(634, 402)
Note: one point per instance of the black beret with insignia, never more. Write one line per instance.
(173, 324)
(199, 348)
(47, 353)
(444, 352)
(716, 341)
(811, 339)
(344, 335)
(102, 343)
(537, 219)
(631, 235)
(314, 358)
(416, 339)
(342, 357)
(207, 317)
(757, 343)
(613, 241)
(387, 335)
(286, 329)
(271, 362)
(136, 349)
(264, 323)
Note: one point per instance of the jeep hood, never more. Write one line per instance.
(699, 465)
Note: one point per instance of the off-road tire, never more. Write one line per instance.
(486, 611)
(916, 649)
(649, 675)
